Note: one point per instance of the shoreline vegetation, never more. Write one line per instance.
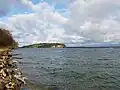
(11, 77)
(62, 45)
(45, 45)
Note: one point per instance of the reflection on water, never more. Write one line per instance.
(71, 68)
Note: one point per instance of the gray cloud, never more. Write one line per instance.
(89, 21)
(4, 7)
(94, 19)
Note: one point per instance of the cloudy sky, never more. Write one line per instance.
(78, 22)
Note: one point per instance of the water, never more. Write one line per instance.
(71, 68)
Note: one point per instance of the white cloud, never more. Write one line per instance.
(6, 5)
(23, 4)
(42, 26)
(97, 20)
(88, 21)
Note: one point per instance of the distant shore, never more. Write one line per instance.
(45, 45)
(62, 45)
(95, 47)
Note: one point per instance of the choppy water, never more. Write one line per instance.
(71, 68)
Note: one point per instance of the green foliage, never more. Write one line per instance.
(45, 45)
(15, 45)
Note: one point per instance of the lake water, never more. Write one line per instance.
(71, 68)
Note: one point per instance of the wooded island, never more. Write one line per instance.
(45, 45)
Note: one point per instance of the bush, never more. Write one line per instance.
(6, 39)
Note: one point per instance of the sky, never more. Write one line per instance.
(73, 22)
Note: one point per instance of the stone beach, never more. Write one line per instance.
(10, 76)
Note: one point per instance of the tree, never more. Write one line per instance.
(6, 39)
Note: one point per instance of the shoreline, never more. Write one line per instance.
(10, 75)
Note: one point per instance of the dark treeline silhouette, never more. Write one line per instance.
(6, 39)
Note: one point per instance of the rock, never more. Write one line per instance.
(8, 79)
(2, 85)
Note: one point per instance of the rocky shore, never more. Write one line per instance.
(11, 77)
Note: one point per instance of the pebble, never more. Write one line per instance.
(10, 76)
